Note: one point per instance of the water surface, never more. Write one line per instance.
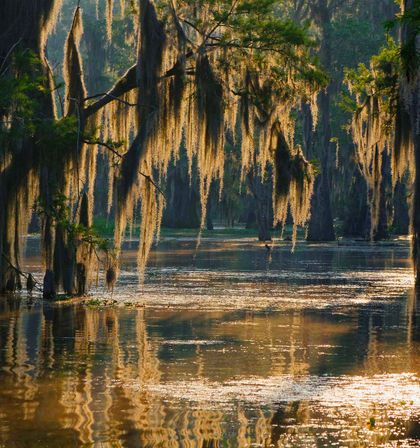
(228, 346)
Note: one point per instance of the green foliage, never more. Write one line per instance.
(21, 100)
(410, 53)
(22, 86)
(382, 75)
(354, 42)
(57, 136)
(60, 210)
(250, 34)
(371, 424)
(380, 80)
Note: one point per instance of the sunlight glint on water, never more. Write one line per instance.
(230, 347)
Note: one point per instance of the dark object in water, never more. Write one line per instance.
(49, 290)
(81, 279)
(110, 278)
(30, 283)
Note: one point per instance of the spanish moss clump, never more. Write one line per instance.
(110, 278)
(72, 70)
(247, 120)
(109, 13)
(403, 150)
(267, 132)
(205, 131)
(371, 141)
(377, 126)
(150, 222)
(138, 162)
(293, 182)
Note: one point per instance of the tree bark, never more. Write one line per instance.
(262, 196)
(411, 85)
(380, 231)
(321, 226)
(401, 218)
(22, 26)
(414, 117)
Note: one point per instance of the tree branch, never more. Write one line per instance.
(110, 96)
(218, 24)
(110, 148)
(17, 270)
(126, 83)
(8, 54)
(178, 25)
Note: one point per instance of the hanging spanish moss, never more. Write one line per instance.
(205, 134)
(267, 132)
(403, 150)
(109, 13)
(368, 131)
(176, 107)
(293, 182)
(137, 162)
(408, 131)
(72, 70)
(122, 6)
(20, 166)
(187, 90)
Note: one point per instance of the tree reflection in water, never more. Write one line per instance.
(73, 375)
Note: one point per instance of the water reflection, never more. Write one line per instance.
(324, 373)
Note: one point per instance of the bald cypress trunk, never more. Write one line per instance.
(414, 117)
(321, 222)
(263, 212)
(401, 217)
(380, 231)
(23, 27)
(42, 163)
(410, 90)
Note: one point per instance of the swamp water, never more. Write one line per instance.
(232, 346)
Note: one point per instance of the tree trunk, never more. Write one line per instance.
(414, 115)
(411, 85)
(321, 222)
(261, 194)
(380, 231)
(209, 217)
(22, 26)
(321, 226)
(401, 218)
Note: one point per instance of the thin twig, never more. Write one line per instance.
(110, 96)
(56, 87)
(147, 177)
(23, 274)
(8, 54)
(178, 25)
(219, 23)
(110, 148)
(105, 145)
